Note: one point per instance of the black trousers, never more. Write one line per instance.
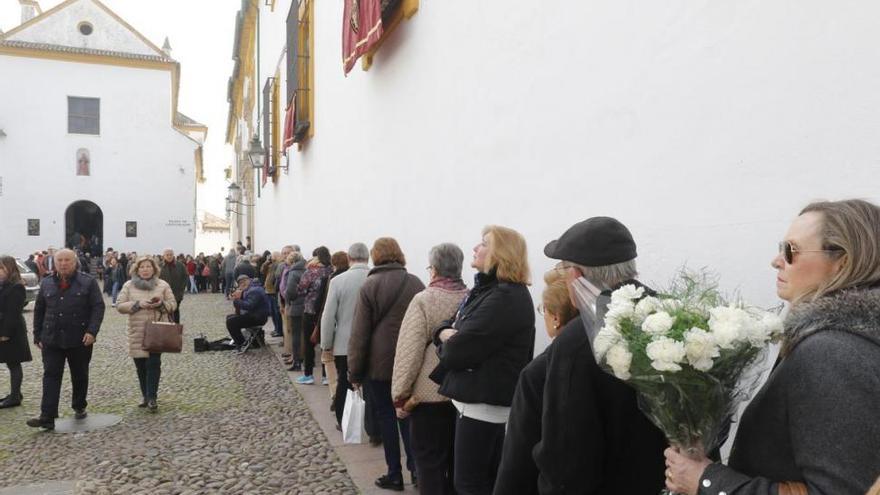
(342, 386)
(477, 455)
(78, 359)
(392, 429)
(308, 324)
(176, 315)
(432, 438)
(296, 323)
(149, 370)
(234, 324)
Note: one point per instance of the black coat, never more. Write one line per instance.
(496, 338)
(12, 324)
(815, 419)
(176, 276)
(575, 429)
(61, 319)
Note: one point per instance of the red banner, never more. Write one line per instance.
(361, 29)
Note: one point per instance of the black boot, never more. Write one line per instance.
(390, 483)
(10, 401)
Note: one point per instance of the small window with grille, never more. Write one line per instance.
(83, 115)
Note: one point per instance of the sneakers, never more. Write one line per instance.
(80, 414)
(41, 422)
(390, 483)
(152, 406)
(324, 381)
(305, 380)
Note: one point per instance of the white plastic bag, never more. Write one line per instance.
(353, 418)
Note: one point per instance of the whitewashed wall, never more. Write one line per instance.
(142, 169)
(704, 126)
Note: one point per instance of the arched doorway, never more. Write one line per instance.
(84, 227)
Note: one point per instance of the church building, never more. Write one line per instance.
(93, 150)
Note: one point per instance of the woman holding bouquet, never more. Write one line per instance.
(482, 351)
(811, 429)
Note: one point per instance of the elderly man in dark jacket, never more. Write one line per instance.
(67, 316)
(174, 272)
(251, 308)
(573, 427)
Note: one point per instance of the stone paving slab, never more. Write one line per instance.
(227, 424)
(92, 422)
(51, 488)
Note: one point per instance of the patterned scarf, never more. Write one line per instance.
(447, 283)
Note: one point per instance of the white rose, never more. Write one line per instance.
(666, 354)
(728, 325)
(617, 311)
(773, 326)
(701, 349)
(606, 338)
(658, 324)
(627, 293)
(644, 308)
(619, 358)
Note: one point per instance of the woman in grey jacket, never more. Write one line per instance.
(812, 427)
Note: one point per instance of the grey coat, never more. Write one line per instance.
(295, 304)
(815, 420)
(342, 297)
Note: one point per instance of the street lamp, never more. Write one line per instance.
(234, 198)
(257, 156)
(256, 153)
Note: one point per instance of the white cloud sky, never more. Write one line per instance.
(200, 32)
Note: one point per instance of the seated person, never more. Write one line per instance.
(251, 308)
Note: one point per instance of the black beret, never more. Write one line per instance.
(597, 241)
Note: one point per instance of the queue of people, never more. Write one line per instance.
(447, 371)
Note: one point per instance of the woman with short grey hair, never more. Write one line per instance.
(432, 424)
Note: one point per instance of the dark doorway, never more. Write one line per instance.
(84, 227)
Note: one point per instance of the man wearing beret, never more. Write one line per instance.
(573, 428)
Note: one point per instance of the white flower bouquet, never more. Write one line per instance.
(691, 356)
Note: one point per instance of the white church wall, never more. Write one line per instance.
(704, 127)
(142, 169)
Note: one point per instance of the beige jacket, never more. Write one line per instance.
(138, 321)
(414, 360)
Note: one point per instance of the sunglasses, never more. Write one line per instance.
(788, 251)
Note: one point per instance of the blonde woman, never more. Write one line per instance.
(482, 351)
(145, 298)
(812, 428)
(556, 307)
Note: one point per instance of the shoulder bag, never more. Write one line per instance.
(163, 336)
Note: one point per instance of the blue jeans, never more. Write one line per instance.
(115, 291)
(275, 313)
(392, 428)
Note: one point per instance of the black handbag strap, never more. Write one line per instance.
(396, 298)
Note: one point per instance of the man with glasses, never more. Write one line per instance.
(573, 427)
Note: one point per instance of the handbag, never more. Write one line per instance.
(200, 343)
(353, 418)
(163, 336)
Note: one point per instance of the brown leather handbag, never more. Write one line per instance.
(792, 488)
(163, 336)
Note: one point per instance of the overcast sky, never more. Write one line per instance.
(201, 34)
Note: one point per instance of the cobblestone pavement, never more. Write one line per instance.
(226, 424)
